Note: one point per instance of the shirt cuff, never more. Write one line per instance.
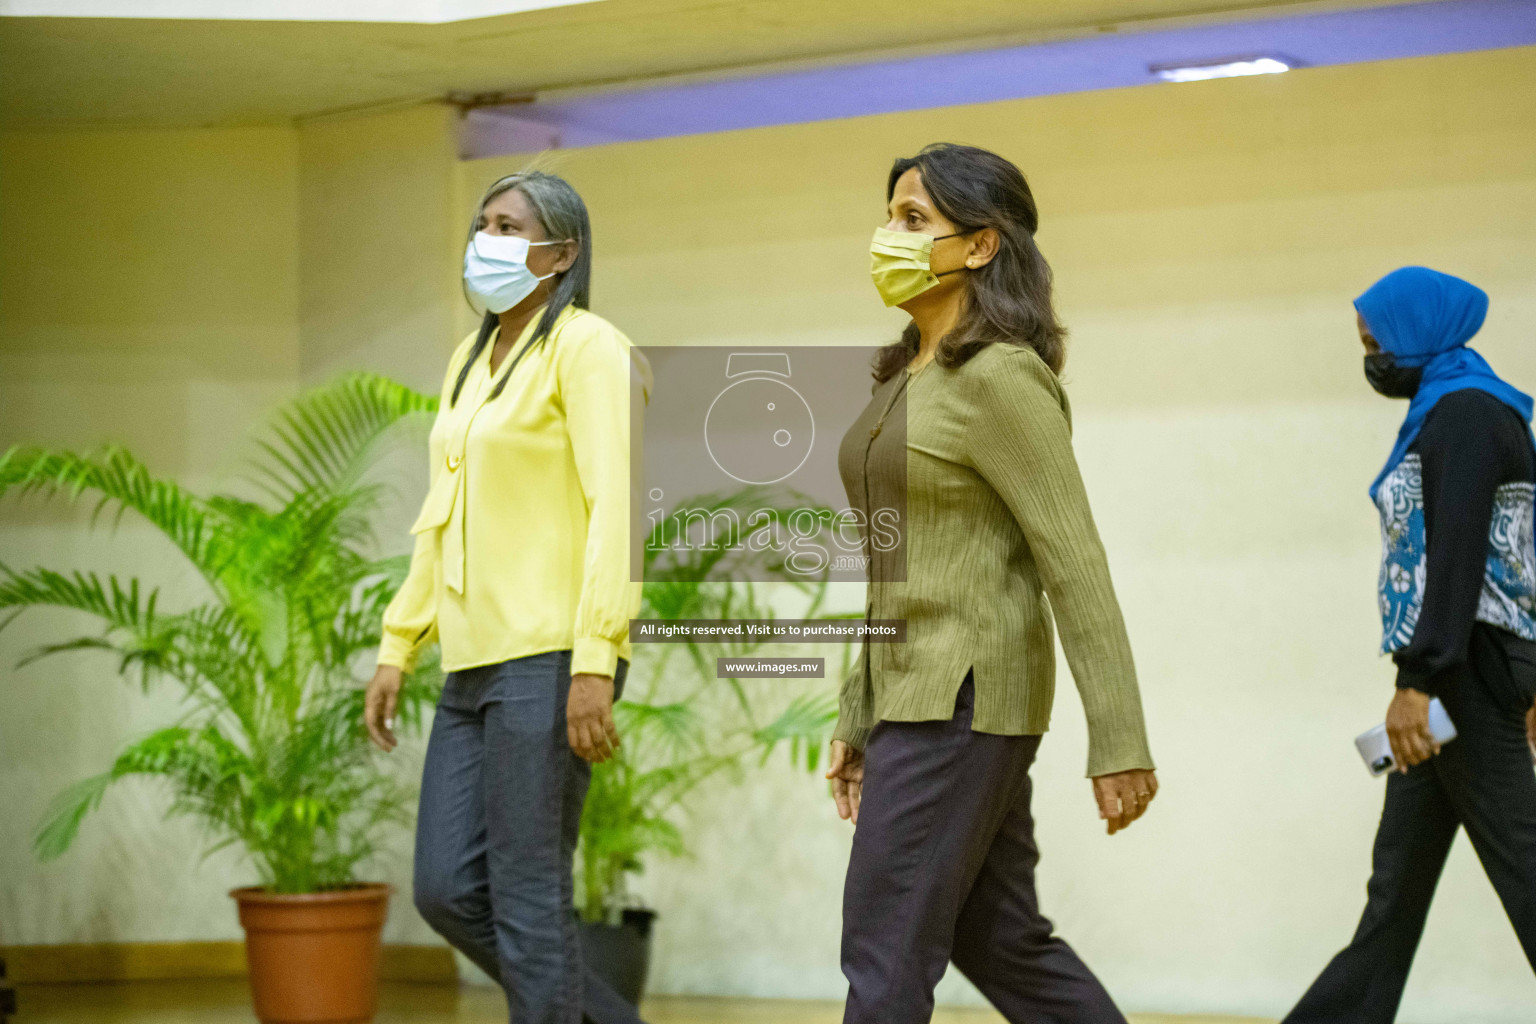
(396, 651)
(1411, 679)
(856, 736)
(594, 655)
(1129, 754)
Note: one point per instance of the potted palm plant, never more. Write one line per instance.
(269, 753)
(683, 725)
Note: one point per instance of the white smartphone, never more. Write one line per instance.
(1376, 750)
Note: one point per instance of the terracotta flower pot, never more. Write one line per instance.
(314, 957)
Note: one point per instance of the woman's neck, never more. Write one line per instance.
(515, 319)
(933, 323)
(513, 322)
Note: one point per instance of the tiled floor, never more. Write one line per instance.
(225, 1002)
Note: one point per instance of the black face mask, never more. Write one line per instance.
(1389, 378)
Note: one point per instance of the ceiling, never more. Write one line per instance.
(431, 11)
(858, 88)
(59, 71)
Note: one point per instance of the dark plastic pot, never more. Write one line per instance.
(314, 957)
(620, 954)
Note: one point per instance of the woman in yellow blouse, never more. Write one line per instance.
(521, 573)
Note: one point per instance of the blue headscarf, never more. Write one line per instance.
(1425, 318)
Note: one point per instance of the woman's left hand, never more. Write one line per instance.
(589, 718)
(1124, 796)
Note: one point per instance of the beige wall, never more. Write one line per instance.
(379, 244)
(146, 279)
(1207, 240)
(163, 290)
(148, 292)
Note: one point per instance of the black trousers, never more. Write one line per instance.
(1482, 780)
(943, 867)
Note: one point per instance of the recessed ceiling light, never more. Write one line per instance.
(1226, 68)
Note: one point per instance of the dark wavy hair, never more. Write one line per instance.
(562, 214)
(1009, 299)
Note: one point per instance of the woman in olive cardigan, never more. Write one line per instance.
(969, 426)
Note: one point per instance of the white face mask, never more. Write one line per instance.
(496, 273)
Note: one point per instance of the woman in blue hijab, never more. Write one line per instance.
(1416, 323)
(1457, 594)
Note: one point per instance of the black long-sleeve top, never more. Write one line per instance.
(1471, 445)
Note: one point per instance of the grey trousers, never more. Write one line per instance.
(501, 799)
(943, 867)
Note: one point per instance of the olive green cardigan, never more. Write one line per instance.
(996, 521)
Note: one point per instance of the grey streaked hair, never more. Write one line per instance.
(563, 215)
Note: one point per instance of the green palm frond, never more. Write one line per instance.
(354, 627)
(61, 822)
(666, 786)
(203, 760)
(198, 646)
(83, 643)
(801, 726)
(119, 606)
(118, 479)
(202, 763)
(676, 728)
(216, 658)
(320, 441)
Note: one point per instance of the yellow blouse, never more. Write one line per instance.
(522, 545)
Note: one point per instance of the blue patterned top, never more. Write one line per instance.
(1508, 598)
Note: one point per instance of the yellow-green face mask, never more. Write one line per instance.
(899, 264)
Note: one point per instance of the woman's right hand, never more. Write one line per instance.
(379, 707)
(847, 774)
(1408, 729)
(1530, 731)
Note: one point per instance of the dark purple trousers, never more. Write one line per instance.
(943, 868)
